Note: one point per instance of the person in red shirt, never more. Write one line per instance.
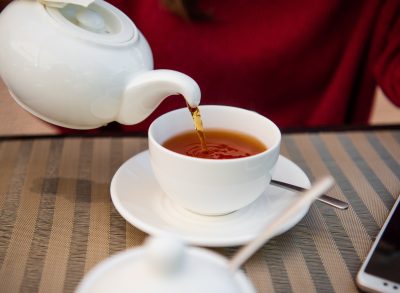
(300, 63)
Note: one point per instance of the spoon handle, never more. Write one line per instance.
(270, 230)
(323, 198)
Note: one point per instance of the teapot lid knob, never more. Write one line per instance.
(96, 21)
(90, 20)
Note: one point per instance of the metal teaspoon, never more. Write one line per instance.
(323, 198)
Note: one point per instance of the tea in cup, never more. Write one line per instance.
(235, 169)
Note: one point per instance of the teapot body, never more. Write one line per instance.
(61, 78)
(66, 75)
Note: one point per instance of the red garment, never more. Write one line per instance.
(300, 63)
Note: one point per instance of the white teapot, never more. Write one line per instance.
(82, 67)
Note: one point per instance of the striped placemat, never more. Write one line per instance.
(57, 220)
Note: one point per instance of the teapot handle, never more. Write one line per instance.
(147, 90)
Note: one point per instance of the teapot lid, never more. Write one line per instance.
(164, 264)
(99, 21)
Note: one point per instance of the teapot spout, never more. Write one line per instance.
(146, 91)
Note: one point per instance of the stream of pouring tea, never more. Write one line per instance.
(198, 125)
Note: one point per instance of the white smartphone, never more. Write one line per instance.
(380, 271)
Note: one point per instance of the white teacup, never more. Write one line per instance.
(213, 187)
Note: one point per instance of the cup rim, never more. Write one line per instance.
(214, 161)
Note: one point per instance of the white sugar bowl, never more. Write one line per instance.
(164, 264)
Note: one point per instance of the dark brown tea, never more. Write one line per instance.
(220, 144)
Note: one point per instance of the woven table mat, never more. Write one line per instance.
(57, 220)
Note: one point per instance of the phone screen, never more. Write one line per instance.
(385, 260)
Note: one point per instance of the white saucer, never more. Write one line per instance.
(138, 198)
